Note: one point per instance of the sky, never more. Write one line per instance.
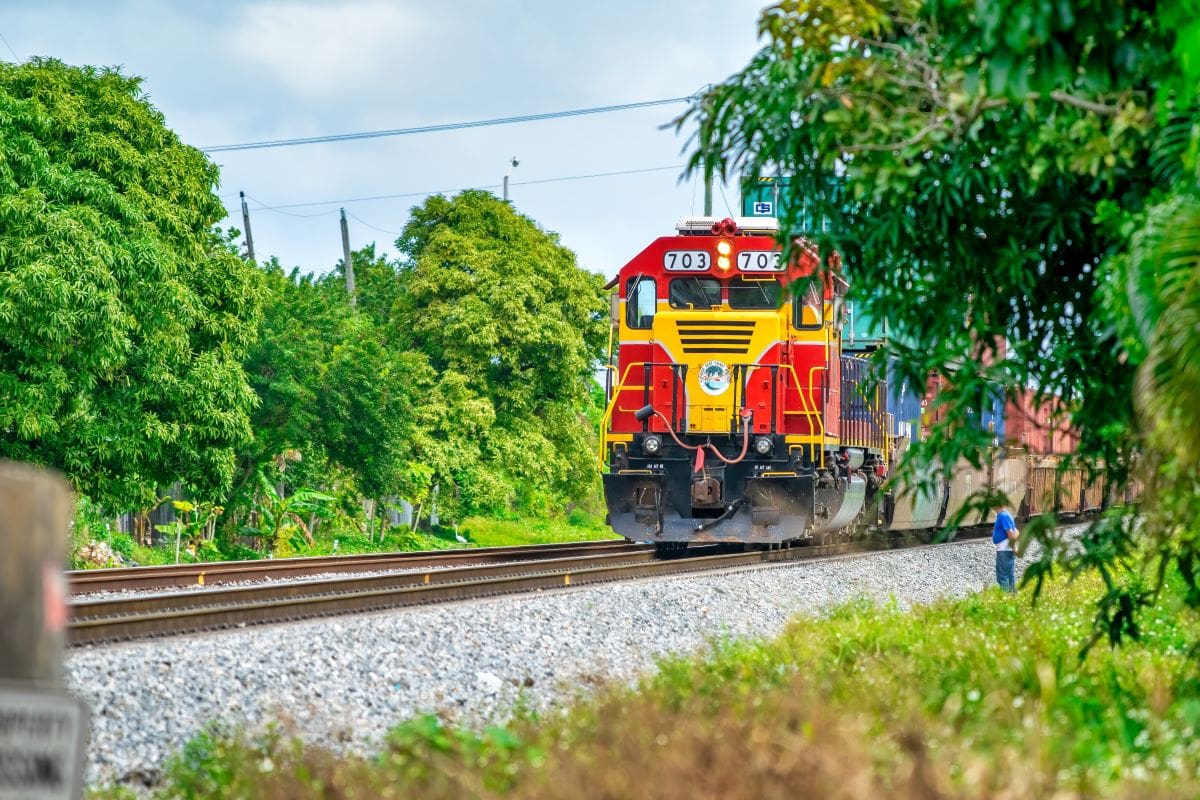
(233, 71)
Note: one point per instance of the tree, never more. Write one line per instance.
(124, 317)
(513, 329)
(1014, 166)
(330, 391)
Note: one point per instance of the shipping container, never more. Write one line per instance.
(991, 416)
(1070, 491)
(1054, 490)
(965, 486)
(904, 405)
(860, 331)
(864, 401)
(1039, 427)
(1010, 476)
(1042, 482)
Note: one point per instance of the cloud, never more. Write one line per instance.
(316, 49)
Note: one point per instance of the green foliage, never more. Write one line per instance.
(332, 392)
(578, 526)
(94, 543)
(976, 697)
(982, 674)
(140, 350)
(194, 529)
(1007, 164)
(512, 328)
(279, 519)
(124, 317)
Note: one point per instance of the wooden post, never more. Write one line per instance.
(36, 507)
(249, 235)
(349, 261)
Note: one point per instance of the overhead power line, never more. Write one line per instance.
(449, 126)
(282, 207)
(10, 48)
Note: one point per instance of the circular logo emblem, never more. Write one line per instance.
(714, 377)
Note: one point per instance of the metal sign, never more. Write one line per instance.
(42, 738)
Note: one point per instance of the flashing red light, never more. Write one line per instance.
(726, 227)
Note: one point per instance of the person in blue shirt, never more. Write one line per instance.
(1004, 537)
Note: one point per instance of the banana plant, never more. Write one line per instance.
(193, 523)
(280, 519)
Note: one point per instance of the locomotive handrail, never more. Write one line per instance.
(612, 403)
(807, 411)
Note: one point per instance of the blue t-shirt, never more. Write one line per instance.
(1004, 524)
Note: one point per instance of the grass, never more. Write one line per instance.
(347, 540)
(972, 698)
(486, 532)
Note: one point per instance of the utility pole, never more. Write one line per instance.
(708, 176)
(246, 222)
(512, 162)
(346, 255)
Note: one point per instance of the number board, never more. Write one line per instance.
(760, 261)
(686, 261)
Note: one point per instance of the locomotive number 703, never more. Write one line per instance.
(759, 261)
(686, 260)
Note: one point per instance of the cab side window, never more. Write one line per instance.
(808, 308)
(641, 297)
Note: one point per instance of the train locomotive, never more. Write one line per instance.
(734, 413)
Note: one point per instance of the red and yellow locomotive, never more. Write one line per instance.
(733, 414)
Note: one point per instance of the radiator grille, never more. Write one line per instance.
(730, 337)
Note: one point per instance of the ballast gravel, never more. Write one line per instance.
(344, 681)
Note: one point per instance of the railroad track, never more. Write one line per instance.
(220, 572)
(113, 619)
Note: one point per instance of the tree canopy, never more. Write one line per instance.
(466, 364)
(124, 318)
(331, 391)
(513, 329)
(1028, 173)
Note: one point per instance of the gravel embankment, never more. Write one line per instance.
(344, 681)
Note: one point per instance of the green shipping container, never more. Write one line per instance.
(760, 198)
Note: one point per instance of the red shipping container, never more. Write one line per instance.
(1042, 427)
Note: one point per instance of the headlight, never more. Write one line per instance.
(651, 445)
(763, 445)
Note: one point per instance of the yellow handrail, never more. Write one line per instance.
(822, 368)
(810, 412)
(612, 404)
(805, 398)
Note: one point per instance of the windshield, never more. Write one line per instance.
(748, 293)
(694, 293)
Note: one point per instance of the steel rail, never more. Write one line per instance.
(219, 572)
(197, 611)
(145, 603)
